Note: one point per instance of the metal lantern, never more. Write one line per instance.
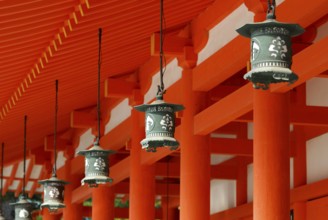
(159, 124)
(53, 193)
(96, 158)
(54, 187)
(271, 52)
(160, 116)
(96, 165)
(23, 209)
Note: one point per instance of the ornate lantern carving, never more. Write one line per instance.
(96, 158)
(53, 193)
(96, 165)
(271, 52)
(23, 209)
(159, 124)
(160, 116)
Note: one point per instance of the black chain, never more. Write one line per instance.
(161, 88)
(24, 162)
(55, 132)
(98, 100)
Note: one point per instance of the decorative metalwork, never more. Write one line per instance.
(160, 116)
(271, 52)
(96, 158)
(96, 166)
(160, 124)
(23, 209)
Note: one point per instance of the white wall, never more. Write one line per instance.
(223, 195)
(316, 158)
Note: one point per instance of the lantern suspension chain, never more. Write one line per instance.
(161, 88)
(271, 13)
(98, 100)
(24, 162)
(54, 172)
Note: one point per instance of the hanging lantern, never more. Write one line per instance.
(96, 165)
(160, 116)
(23, 209)
(271, 52)
(54, 187)
(53, 193)
(159, 124)
(96, 158)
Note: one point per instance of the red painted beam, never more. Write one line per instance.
(217, 115)
(239, 146)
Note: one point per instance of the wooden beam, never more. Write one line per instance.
(239, 212)
(300, 194)
(233, 57)
(241, 101)
(27, 176)
(81, 119)
(225, 61)
(11, 178)
(171, 170)
(308, 63)
(118, 88)
(224, 172)
(239, 146)
(300, 115)
(49, 143)
(217, 115)
(172, 46)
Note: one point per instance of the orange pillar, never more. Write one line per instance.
(170, 209)
(103, 203)
(271, 156)
(299, 171)
(72, 211)
(46, 215)
(241, 195)
(142, 177)
(195, 158)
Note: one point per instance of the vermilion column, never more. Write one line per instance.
(47, 216)
(271, 156)
(142, 177)
(195, 158)
(72, 211)
(103, 203)
(299, 170)
(170, 209)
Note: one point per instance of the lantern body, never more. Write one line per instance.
(271, 52)
(159, 124)
(53, 193)
(23, 209)
(96, 166)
